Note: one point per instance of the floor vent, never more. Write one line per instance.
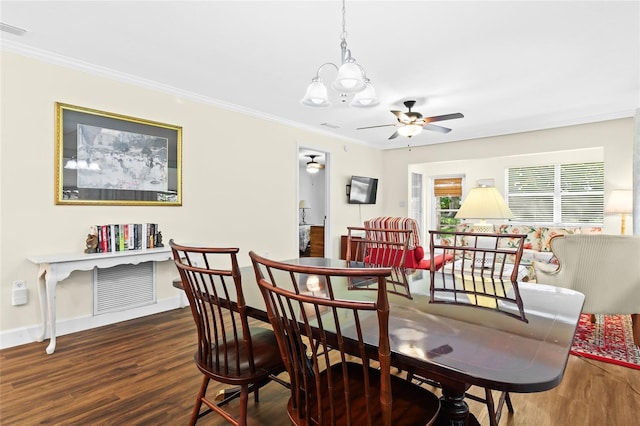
(123, 287)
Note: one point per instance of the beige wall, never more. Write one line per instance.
(611, 141)
(239, 187)
(239, 181)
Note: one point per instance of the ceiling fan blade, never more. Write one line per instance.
(394, 135)
(373, 127)
(435, 128)
(442, 117)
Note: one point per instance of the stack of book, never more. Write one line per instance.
(130, 236)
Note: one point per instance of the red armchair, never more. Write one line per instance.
(414, 258)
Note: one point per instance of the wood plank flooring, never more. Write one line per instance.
(141, 372)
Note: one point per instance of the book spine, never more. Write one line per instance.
(125, 242)
(150, 235)
(121, 237)
(112, 238)
(99, 228)
(130, 243)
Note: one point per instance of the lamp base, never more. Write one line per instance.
(483, 228)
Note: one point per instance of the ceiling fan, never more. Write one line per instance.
(411, 123)
(313, 166)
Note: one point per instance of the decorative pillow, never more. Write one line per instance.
(418, 254)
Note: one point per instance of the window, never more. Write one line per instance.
(448, 197)
(567, 194)
(416, 200)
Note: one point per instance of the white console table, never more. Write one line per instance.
(56, 268)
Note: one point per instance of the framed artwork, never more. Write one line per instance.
(111, 159)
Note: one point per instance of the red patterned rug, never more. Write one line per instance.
(610, 339)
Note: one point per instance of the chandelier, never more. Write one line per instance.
(351, 79)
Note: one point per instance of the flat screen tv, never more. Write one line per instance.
(364, 190)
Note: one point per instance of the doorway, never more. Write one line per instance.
(313, 202)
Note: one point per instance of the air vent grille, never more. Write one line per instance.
(123, 287)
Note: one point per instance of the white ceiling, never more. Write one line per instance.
(508, 66)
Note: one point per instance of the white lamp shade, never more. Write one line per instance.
(410, 130)
(366, 97)
(620, 201)
(304, 204)
(484, 203)
(316, 95)
(349, 79)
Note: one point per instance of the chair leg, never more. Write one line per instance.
(196, 409)
(244, 399)
(635, 326)
(508, 401)
(490, 407)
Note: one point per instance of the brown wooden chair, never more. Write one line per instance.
(229, 351)
(344, 386)
(483, 275)
(379, 248)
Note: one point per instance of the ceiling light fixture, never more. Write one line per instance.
(313, 166)
(410, 130)
(351, 79)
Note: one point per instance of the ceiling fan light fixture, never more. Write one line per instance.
(316, 95)
(313, 167)
(410, 130)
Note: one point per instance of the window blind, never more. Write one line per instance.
(447, 187)
(571, 193)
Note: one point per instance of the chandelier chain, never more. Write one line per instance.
(343, 36)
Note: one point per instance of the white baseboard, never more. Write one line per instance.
(24, 335)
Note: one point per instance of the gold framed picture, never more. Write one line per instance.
(105, 158)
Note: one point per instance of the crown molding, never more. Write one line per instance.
(67, 62)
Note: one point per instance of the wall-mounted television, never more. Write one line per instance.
(363, 190)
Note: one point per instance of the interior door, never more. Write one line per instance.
(313, 202)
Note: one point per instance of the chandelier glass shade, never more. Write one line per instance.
(316, 95)
(351, 78)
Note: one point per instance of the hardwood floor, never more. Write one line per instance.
(141, 372)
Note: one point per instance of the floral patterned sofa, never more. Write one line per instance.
(537, 246)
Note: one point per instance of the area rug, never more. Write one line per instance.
(610, 339)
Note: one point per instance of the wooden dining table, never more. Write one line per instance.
(462, 346)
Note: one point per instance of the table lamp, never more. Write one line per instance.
(620, 201)
(304, 205)
(484, 202)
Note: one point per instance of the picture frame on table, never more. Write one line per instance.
(104, 158)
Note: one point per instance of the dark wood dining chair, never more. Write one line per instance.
(483, 275)
(351, 384)
(229, 351)
(379, 248)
